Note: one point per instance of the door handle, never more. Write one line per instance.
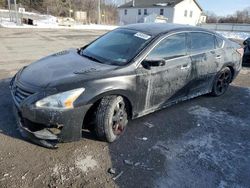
(187, 66)
(218, 57)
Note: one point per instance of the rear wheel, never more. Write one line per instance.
(111, 118)
(222, 82)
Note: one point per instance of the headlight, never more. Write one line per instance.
(63, 100)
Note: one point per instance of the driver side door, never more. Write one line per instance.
(165, 82)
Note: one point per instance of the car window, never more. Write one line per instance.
(218, 42)
(117, 47)
(201, 42)
(171, 47)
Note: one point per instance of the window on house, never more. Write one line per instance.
(125, 11)
(145, 12)
(191, 14)
(161, 11)
(185, 13)
(139, 11)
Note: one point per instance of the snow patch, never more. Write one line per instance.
(235, 35)
(85, 164)
(245, 71)
(56, 170)
(48, 22)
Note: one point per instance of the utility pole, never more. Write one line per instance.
(9, 11)
(70, 10)
(17, 21)
(99, 11)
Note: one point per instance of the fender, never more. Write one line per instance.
(125, 94)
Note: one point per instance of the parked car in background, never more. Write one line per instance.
(125, 74)
(246, 57)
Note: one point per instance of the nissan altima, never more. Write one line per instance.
(125, 74)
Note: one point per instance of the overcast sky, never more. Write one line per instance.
(219, 7)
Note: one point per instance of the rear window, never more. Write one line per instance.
(218, 42)
(201, 42)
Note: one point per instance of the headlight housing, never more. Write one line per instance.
(63, 100)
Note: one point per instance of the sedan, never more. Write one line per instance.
(127, 73)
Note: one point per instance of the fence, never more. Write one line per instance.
(227, 27)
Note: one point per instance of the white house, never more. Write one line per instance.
(170, 11)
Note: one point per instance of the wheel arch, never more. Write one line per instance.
(231, 67)
(232, 71)
(96, 100)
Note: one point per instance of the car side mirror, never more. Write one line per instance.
(148, 63)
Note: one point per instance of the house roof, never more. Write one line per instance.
(153, 3)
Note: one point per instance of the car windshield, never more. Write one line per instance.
(118, 47)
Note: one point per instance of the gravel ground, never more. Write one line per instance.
(204, 142)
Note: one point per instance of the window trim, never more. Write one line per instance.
(125, 11)
(223, 43)
(139, 59)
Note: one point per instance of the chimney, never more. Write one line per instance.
(133, 3)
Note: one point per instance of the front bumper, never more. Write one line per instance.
(47, 127)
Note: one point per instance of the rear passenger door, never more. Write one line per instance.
(205, 61)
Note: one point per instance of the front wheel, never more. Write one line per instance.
(222, 82)
(111, 118)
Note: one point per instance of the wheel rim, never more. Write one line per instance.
(119, 119)
(223, 82)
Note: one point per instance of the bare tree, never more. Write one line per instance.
(62, 8)
(211, 17)
(2, 3)
(242, 16)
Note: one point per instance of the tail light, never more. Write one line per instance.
(240, 51)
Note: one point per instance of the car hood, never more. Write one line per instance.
(65, 66)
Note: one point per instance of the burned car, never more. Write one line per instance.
(127, 73)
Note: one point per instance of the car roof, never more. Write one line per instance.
(162, 28)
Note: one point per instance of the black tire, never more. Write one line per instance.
(222, 82)
(111, 118)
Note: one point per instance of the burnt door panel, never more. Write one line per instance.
(205, 60)
(203, 72)
(170, 82)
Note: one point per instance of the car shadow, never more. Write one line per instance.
(8, 124)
